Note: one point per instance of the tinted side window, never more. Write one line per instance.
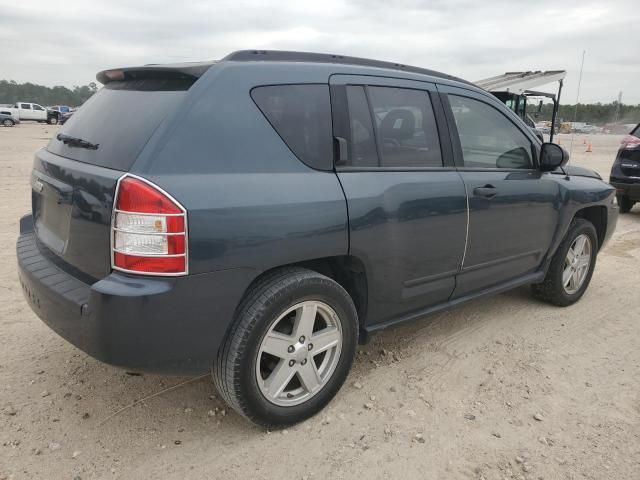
(362, 152)
(25, 106)
(405, 127)
(301, 114)
(37, 107)
(488, 138)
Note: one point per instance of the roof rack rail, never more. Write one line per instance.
(292, 56)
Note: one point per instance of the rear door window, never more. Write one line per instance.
(363, 151)
(120, 118)
(25, 106)
(301, 115)
(405, 127)
(392, 128)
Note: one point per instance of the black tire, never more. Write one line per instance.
(625, 203)
(52, 120)
(551, 289)
(234, 371)
(7, 122)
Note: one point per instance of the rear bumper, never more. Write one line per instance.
(631, 190)
(164, 325)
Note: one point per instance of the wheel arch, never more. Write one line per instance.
(346, 270)
(597, 216)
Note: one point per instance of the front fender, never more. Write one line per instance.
(578, 196)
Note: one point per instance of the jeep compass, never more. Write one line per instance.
(259, 216)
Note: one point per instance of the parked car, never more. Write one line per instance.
(61, 108)
(543, 127)
(7, 120)
(586, 128)
(9, 111)
(32, 111)
(625, 173)
(64, 116)
(260, 215)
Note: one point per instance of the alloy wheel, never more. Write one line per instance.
(576, 264)
(299, 353)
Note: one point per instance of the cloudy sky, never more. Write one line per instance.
(65, 42)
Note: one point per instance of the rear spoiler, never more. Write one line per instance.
(186, 71)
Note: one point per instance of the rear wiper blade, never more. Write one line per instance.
(77, 142)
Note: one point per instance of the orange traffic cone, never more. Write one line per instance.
(589, 149)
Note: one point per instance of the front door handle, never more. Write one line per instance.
(488, 191)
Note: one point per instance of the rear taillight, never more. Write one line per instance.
(148, 230)
(629, 142)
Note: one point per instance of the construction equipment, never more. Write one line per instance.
(514, 89)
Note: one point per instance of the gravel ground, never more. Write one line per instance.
(504, 387)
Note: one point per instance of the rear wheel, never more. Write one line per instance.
(290, 348)
(625, 203)
(7, 122)
(52, 120)
(571, 267)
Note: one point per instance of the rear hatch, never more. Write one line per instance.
(74, 177)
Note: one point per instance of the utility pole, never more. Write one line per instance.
(616, 115)
(575, 113)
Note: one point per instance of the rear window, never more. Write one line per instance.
(301, 114)
(120, 118)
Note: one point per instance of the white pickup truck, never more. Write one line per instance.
(30, 111)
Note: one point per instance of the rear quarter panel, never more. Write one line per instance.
(251, 202)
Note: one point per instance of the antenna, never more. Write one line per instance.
(575, 113)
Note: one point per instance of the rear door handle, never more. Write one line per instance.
(488, 191)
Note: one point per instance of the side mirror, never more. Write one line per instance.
(552, 156)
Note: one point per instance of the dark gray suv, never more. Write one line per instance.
(260, 215)
(625, 172)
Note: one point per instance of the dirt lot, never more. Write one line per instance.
(504, 387)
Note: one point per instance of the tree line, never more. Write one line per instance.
(592, 113)
(11, 92)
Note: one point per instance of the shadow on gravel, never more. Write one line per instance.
(101, 398)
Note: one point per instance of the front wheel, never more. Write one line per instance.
(290, 348)
(571, 267)
(7, 122)
(52, 121)
(625, 203)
